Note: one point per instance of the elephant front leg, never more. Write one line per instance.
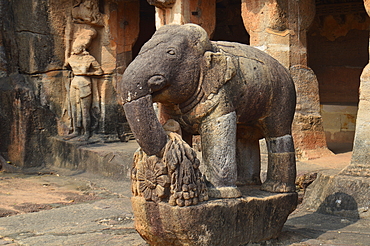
(218, 136)
(281, 172)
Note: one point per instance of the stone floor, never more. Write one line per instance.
(56, 206)
(62, 207)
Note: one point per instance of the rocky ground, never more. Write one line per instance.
(63, 207)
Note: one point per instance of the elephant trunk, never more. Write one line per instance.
(135, 91)
(145, 126)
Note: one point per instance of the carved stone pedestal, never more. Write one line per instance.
(254, 217)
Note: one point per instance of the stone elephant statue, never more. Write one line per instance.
(229, 93)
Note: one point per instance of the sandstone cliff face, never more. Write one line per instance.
(35, 41)
(28, 53)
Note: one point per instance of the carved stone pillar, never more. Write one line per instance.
(279, 28)
(346, 193)
(123, 24)
(124, 28)
(180, 12)
(268, 27)
(360, 163)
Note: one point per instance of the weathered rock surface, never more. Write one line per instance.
(255, 217)
(35, 41)
(344, 195)
(107, 159)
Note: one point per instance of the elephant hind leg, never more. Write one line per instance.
(281, 171)
(248, 156)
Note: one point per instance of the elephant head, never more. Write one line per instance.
(167, 70)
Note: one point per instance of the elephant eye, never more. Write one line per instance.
(171, 52)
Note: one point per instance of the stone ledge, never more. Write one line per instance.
(106, 159)
(360, 170)
(255, 217)
(337, 194)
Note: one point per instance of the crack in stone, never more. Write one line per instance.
(32, 32)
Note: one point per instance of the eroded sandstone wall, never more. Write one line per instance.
(28, 45)
(36, 40)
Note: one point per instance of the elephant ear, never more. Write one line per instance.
(218, 69)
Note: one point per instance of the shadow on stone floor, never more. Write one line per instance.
(326, 226)
(338, 211)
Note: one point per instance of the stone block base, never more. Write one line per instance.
(107, 159)
(254, 217)
(337, 194)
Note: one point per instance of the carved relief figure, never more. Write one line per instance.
(86, 11)
(229, 93)
(83, 88)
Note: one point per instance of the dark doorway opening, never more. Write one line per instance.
(147, 26)
(229, 22)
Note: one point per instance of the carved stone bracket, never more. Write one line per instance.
(181, 12)
(162, 3)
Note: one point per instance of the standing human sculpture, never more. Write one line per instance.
(83, 85)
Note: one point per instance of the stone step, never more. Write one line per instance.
(107, 159)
